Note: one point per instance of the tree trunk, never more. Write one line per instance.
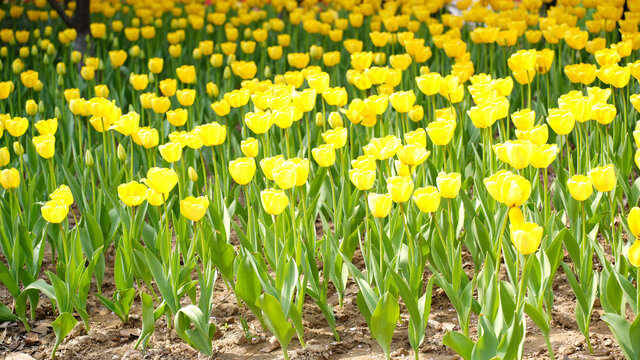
(80, 21)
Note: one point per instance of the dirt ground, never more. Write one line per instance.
(109, 339)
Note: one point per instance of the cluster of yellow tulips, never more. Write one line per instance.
(448, 110)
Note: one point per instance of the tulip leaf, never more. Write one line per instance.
(62, 325)
(460, 343)
(384, 320)
(276, 320)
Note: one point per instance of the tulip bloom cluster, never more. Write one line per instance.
(272, 145)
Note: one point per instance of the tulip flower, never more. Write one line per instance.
(379, 204)
(274, 201)
(634, 253)
(400, 188)
(526, 237)
(10, 179)
(194, 208)
(161, 180)
(580, 187)
(45, 145)
(55, 211)
(324, 155)
(633, 219)
(171, 152)
(603, 178)
(508, 188)
(132, 193)
(62, 193)
(449, 184)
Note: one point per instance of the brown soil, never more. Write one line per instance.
(109, 339)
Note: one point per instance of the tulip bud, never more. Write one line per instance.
(76, 56)
(122, 154)
(231, 58)
(193, 175)
(319, 119)
(116, 43)
(60, 81)
(34, 50)
(247, 33)
(151, 78)
(142, 54)
(17, 148)
(197, 54)
(227, 73)
(4, 51)
(335, 120)
(134, 51)
(41, 107)
(209, 29)
(57, 113)
(267, 72)
(88, 158)
(45, 59)
(31, 107)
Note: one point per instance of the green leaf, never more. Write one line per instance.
(275, 319)
(248, 286)
(148, 320)
(62, 325)
(384, 320)
(460, 343)
(200, 337)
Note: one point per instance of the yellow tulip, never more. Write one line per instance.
(171, 152)
(161, 180)
(324, 155)
(526, 237)
(186, 73)
(543, 155)
(634, 254)
(441, 132)
(160, 104)
(337, 137)
(177, 117)
(449, 184)
(249, 147)
(62, 193)
(5, 158)
(362, 179)
(603, 178)
(413, 155)
(10, 178)
(427, 199)
(45, 145)
(402, 101)
(194, 208)
(508, 188)
(379, 204)
(633, 219)
(561, 121)
(47, 127)
(580, 187)
(55, 211)
(400, 188)
(117, 57)
(132, 193)
(382, 148)
(259, 122)
(186, 97)
(274, 201)
(168, 87)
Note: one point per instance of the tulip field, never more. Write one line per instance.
(427, 179)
